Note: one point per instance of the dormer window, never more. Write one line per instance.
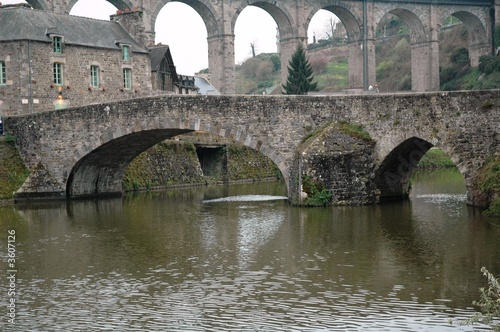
(57, 44)
(126, 52)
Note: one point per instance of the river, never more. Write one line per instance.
(239, 258)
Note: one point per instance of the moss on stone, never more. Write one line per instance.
(173, 163)
(13, 172)
(489, 183)
(245, 163)
(165, 164)
(354, 130)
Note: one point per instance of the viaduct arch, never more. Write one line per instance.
(84, 151)
(360, 17)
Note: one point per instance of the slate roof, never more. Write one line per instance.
(157, 54)
(24, 23)
(204, 87)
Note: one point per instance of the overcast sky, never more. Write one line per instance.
(188, 42)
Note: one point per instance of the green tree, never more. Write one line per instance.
(300, 79)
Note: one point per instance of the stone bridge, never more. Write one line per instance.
(361, 18)
(81, 152)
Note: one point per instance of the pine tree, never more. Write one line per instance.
(300, 79)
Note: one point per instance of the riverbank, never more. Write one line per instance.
(171, 164)
(435, 159)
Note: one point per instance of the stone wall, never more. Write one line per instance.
(342, 163)
(165, 164)
(132, 21)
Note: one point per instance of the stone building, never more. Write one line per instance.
(50, 60)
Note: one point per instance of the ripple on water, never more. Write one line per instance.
(246, 198)
(208, 291)
(243, 301)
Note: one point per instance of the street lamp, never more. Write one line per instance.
(60, 102)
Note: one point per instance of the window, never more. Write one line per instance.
(94, 76)
(58, 73)
(3, 74)
(126, 52)
(127, 78)
(57, 44)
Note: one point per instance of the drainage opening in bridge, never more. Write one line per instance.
(213, 161)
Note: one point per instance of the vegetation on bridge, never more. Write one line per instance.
(13, 173)
(317, 195)
(490, 184)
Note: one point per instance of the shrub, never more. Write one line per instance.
(317, 195)
(275, 59)
(489, 183)
(460, 57)
(319, 63)
(384, 68)
(264, 70)
(489, 303)
(489, 64)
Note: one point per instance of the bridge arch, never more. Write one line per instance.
(478, 37)
(119, 4)
(38, 4)
(423, 72)
(280, 15)
(203, 8)
(353, 25)
(346, 15)
(100, 172)
(394, 172)
(418, 31)
(393, 175)
(289, 35)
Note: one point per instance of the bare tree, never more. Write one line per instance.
(331, 26)
(252, 46)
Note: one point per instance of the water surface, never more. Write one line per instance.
(239, 258)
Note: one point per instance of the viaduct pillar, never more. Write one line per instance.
(355, 64)
(221, 63)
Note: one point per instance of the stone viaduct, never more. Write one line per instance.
(82, 152)
(360, 18)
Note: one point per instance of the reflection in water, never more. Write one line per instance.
(220, 259)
